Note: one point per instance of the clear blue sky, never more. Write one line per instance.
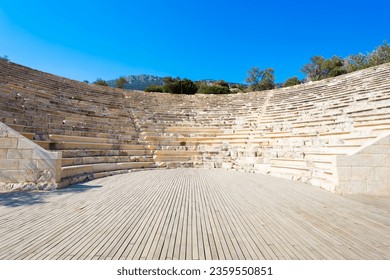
(84, 40)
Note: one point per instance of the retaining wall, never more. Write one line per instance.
(24, 165)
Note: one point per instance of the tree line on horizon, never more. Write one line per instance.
(320, 68)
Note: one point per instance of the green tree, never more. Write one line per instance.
(172, 85)
(320, 68)
(179, 86)
(380, 55)
(334, 67)
(188, 87)
(221, 83)
(261, 79)
(291, 82)
(154, 88)
(356, 62)
(213, 89)
(238, 88)
(100, 82)
(120, 82)
(313, 69)
(253, 77)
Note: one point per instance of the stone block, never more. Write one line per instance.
(358, 186)
(344, 171)
(378, 188)
(361, 173)
(9, 164)
(381, 173)
(8, 143)
(43, 164)
(344, 161)
(227, 165)
(28, 164)
(42, 154)
(344, 185)
(377, 149)
(19, 154)
(3, 153)
(12, 176)
(25, 143)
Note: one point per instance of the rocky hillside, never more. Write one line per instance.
(139, 82)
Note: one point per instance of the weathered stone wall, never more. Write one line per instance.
(366, 171)
(24, 165)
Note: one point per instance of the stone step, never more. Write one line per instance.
(28, 135)
(176, 152)
(76, 170)
(83, 139)
(105, 153)
(320, 164)
(105, 159)
(301, 173)
(92, 146)
(174, 158)
(87, 177)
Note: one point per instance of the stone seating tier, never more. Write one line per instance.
(296, 133)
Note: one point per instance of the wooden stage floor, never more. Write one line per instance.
(193, 214)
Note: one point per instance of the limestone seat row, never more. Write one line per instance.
(87, 123)
(302, 133)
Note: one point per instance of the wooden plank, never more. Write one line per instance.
(193, 214)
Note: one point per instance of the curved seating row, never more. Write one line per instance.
(296, 133)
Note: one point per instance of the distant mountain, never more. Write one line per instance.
(211, 81)
(140, 82)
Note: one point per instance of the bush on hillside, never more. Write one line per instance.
(101, 82)
(154, 88)
(320, 68)
(120, 82)
(380, 55)
(238, 88)
(179, 86)
(261, 79)
(356, 62)
(213, 89)
(293, 81)
(221, 83)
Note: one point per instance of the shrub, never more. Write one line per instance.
(261, 79)
(188, 87)
(101, 82)
(356, 62)
(179, 86)
(221, 83)
(154, 88)
(213, 89)
(320, 68)
(291, 82)
(238, 88)
(120, 82)
(380, 55)
(172, 85)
